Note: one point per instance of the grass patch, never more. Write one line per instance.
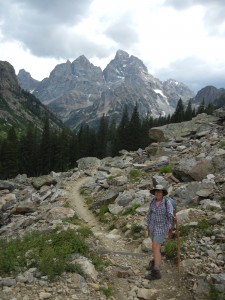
(99, 263)
(84, 192)
(222, 144)
(184, 230)
(67, 204)
(166, 169)
(111, 177)
(131, 210)
(107, 291)
(73, 220)
(49, 252)
(170, 248)
(136, 228)
(204, 228)
(102, 211)
(134, 174)
(215, 294)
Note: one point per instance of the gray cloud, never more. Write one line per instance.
(43, 26)
(123, 32)
(214, 12)
(195, 73)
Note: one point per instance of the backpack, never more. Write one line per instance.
(173, 202)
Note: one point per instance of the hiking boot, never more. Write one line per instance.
(151, 265)
(154, 275)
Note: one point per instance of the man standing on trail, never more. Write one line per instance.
(159, 222)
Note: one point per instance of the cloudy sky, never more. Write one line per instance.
(179, 39)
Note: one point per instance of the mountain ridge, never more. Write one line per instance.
(18, 107)
(80, 92)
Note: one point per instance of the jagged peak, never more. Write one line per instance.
(121, 54)
(81, 59)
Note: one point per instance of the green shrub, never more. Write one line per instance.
(111, 227)
(203, 224)
(84, 192)
(135, 228)
(85, 231)
(222, 144)
(67, 204)
(184, 230)
(215, 294)
(103, 210)
(204, 228)
(111, 177)
(134, 174)
(74, 268)
(49, 252)
(107, 291)
(170, 248)
(166, 169)
(73, 220)
(99, 263)
(131, 210)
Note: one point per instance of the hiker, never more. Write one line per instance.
(159, 222)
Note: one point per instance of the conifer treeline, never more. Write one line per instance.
(36, 154)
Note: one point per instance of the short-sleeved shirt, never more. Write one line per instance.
(160, 218)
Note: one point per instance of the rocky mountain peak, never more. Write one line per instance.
(123, 67)
(82, 67)
(81, 92)
(208, 94)
(8, 80)
(25, 80)
(121, 55)
(18, 108)
(179, 87)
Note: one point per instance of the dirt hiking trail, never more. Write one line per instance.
(127, 265)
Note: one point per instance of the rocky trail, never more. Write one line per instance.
(127, 263)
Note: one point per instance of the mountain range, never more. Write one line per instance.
(80, 92)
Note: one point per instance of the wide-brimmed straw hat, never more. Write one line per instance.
(159, 187)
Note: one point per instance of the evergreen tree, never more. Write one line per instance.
(134, 130)
(102, 137)
(209, 109)
(188, 112)
(111, 146)
(201, 107)
(83, 141)
(9, 155)
(64, 150)
(28, 152)
(123, 130)
(178, 115)
(73, 150)
(45, 149)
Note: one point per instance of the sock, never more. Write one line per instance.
(157, 268)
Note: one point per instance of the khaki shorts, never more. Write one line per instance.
(160, 238)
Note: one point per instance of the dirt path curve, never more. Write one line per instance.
(131, 265)
(81, 208)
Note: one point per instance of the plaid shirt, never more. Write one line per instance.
(160, 218)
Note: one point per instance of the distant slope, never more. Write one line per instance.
(20, 108)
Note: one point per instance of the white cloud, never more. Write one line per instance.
(183, 40)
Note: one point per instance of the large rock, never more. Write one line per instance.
(38, 182)
(86, 163)
(57, 213)
(175, 130)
